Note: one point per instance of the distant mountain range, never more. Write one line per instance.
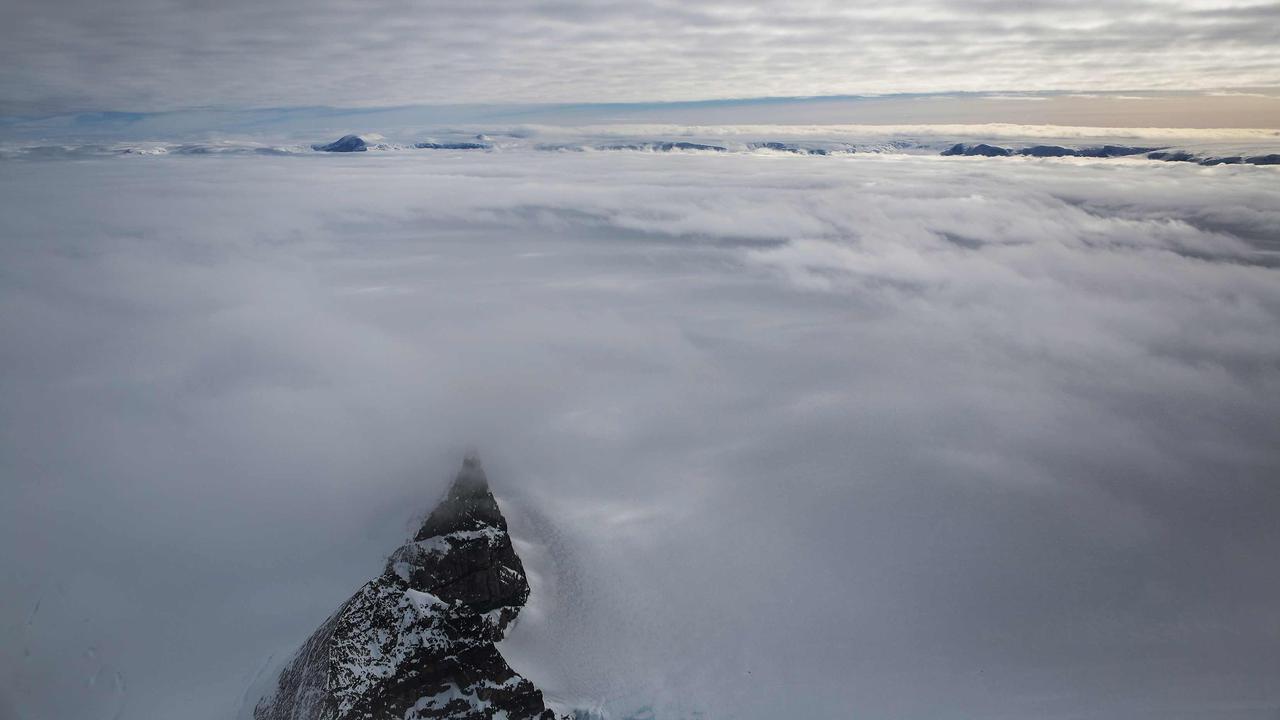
(1110, 151)
(1233, 148)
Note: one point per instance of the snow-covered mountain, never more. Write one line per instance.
(417, 642)
(346, 143)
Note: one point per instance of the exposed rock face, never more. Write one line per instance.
(1047, 151)
(346, 143)
(418, 641)
(1111, 151)
(981, 149)
(1172, 156)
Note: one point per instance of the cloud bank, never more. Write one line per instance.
(161, 54)
(885, 436)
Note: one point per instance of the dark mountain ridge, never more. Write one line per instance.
(418, 642)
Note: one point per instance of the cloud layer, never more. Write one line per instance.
(902, 437)
(159, 54)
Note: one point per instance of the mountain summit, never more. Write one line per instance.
(417, 642)
(346, 143)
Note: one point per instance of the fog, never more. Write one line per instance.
(778, 436)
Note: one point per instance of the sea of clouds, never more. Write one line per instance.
(873, 436)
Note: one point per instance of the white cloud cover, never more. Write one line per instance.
(884, 436)
(61, 55)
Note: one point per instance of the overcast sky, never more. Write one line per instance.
(60, 55)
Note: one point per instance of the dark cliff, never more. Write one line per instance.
(418, 641)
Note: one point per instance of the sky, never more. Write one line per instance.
(896, 436)
(60, 56)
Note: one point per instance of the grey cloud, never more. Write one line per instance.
(163, 54)
(772, 441)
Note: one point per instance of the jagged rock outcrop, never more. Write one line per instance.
(1172, 156)
(417, 642)
(346, 143)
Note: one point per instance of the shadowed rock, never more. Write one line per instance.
(1047, 151)
(1172, 156)
(417, 642)
(1110, 151)
(981, 150)
(346, 143)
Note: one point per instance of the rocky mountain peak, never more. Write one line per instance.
(468, 506)
(417, 642)
(346, 143)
